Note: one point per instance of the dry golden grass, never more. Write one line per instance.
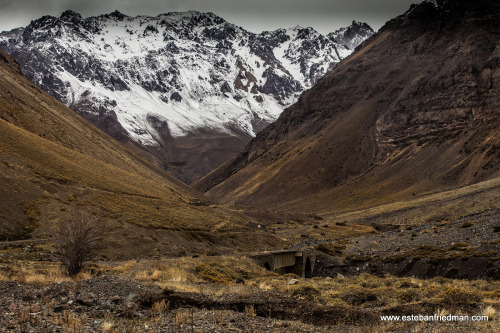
(39, 273)
(182, 316)
(250, 311)
(124, 267)
(73, 322)
(188, 270)
(450, 204)
(159, 307)
(372, 293)
(117, 192)
(107, 326)
(491, 312)
(217, 276)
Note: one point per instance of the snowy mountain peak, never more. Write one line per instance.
(155, 79)
(353, 35)
(71, 16)
(206, 18)
(116, 15)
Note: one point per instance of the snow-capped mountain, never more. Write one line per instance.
(162, 82)
(351, 36)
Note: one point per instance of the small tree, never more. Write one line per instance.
(77, 240)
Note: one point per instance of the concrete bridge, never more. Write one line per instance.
(298, 262)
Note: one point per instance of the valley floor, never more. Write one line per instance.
(364, 270)
(227, 294)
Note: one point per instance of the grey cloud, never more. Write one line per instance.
(255, 15)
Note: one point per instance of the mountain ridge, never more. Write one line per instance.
(154, 83)
(52, 162)
(411, 112)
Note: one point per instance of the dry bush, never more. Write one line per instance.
(265, 286)
(154, 275)
(42, 277)
(71, 322)
(182, 316)
(460, 296)
(125, 267)
(107, 326)
(159, 307)
(77, 240)
(250, 311)
(491, 312)
(408, 284)
(216, 273)
(442, 312)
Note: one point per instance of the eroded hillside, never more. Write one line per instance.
(413, 112)
(52, 160)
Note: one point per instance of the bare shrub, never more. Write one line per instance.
(159, 307)
(182, 316)
(250, 311)
(77, 240)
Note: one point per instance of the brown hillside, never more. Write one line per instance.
(52, 160)
(415, 111)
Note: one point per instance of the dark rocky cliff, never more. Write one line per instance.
(414, 110)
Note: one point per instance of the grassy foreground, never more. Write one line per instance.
(230, 293)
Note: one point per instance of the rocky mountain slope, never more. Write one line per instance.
(413, 112)
(186, 90)
(53, 161)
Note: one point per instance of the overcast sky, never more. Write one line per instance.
(254, 15)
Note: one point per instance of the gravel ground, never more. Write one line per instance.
(441, 235)
(112, 303)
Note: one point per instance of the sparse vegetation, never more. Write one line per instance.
(430, 215)
(77, 240)
(40, 154)
(182, 316)
(220, 272)
(307, 291)
(189, 275)
(250, 311)
(467, 225)
(159, 307)
(491, 312)
(454, 297)
(459, 246)
(333, 249)
(365, 288)
(211, 253)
